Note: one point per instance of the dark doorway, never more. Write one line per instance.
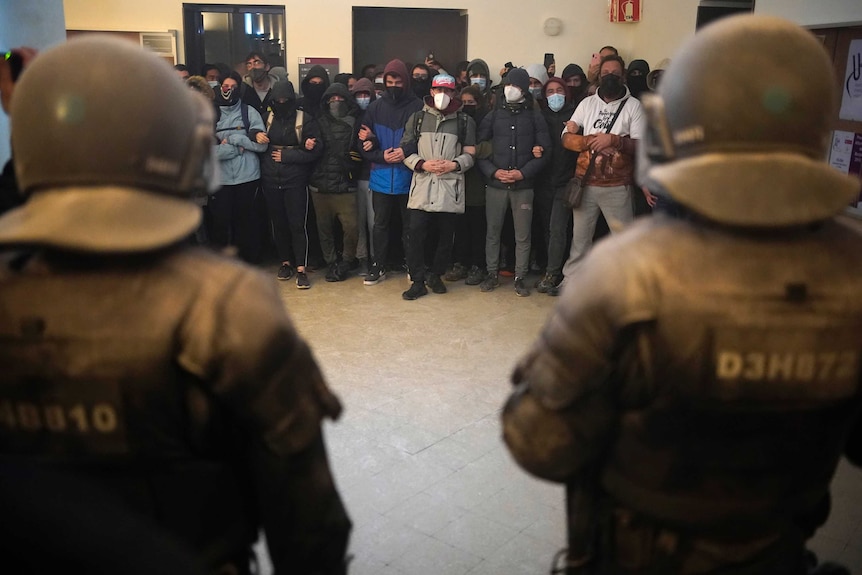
(224, 33)
(410, 34)
(711, 10)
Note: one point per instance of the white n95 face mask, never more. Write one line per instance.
(441, 100)
(513, 94)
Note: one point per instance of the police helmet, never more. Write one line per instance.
(107, 168)
(740, 126)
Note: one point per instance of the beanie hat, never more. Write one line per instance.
(443, 81)
(519, 78)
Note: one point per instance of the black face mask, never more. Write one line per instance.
(258, 74)
(230, 99)
(394, 92)
(420, 87)
(338, 109)
(469, 109)
(637, 85)
(611, 86)
(282, 109)
(314, 92)
(577, 93)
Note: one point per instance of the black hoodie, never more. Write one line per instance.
(312, 94)
(296, 162)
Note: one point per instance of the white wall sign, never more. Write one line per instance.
(851, 92)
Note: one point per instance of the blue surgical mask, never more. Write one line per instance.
(556, 102)
(481, 82)
(363, 101)
(213, 84)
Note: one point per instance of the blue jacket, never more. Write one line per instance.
(238, 161)
(386, 118)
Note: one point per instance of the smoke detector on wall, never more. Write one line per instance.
(553, 26)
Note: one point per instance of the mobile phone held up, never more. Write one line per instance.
(16, 63)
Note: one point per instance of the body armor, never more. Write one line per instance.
(168, 375)
(185, 396)
(700, 376)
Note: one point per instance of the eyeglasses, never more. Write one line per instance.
(253, 63)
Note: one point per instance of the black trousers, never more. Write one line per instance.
(470, 230)
(234, 219)
(419, 223)
(384, 204)
(288, 211)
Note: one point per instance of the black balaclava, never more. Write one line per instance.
(283, 91)
(636, 76)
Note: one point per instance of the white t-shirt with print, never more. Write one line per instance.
(594, 114)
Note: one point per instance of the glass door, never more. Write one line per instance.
(225, 34)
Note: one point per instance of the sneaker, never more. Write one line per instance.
(376, 274)
(436, 285)
(507, 273)
(343, 269)
(332, 272)
(457, 273)
(520, 288)
(490, 282)
(475, 276)
(363, 267)
(285, 272)
(547, 282)
(302, 281)
(417, 290)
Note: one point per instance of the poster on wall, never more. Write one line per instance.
(305, 64)
(846, 156)
(625, 10)
(851, 94)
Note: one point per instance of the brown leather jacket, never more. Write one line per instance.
(615, 170)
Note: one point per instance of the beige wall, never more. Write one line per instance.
(814, 13)
(499, 30)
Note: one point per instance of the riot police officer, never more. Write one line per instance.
(167, 375)
(696, 384)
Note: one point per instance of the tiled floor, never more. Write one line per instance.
(418, 456)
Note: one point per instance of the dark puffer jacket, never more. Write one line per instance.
(561, 162)
(513, 130)
(338, 169)
(296, 163)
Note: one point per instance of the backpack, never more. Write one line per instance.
(462, 124)
(300, 118)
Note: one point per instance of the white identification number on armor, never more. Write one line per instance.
(100, 418)
(789, 362)
(810, 367)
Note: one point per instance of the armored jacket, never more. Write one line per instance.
(711, 374)
(176, 381)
